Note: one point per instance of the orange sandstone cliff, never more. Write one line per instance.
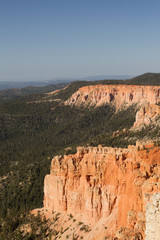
(116, 191)
(118, 95)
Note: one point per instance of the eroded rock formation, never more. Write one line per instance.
(148, 114)
(108, 188)
(116, 94)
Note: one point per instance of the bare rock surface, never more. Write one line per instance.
(118, 95)
(108, 189)
(148, 114)
(153, 217)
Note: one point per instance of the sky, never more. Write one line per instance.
(47, 39)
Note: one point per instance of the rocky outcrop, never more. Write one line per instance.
(118, 95)
(148, 114)
(107, 188)
(153, 218)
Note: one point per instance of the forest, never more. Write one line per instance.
(32, 133)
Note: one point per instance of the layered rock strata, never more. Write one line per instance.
(97, 95)
(107, 187)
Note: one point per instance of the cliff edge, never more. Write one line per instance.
(118, 95)
(112, 190)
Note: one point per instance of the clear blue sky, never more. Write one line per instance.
(45, 39)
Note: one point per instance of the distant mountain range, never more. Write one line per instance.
(22, 84)
(10, 90)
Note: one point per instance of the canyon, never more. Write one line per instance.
(114, 191)
(97, 193)
(102, 193)
(117, 95)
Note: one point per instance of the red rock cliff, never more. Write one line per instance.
(107, 185)
(117, 94)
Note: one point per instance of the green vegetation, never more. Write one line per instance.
(85, 228)
(32, 133)
(9, 94)
(26, 227)
(152, 79)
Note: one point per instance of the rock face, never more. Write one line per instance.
(153, 218)
(107, 187)
(116, 94)
(148, 114)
